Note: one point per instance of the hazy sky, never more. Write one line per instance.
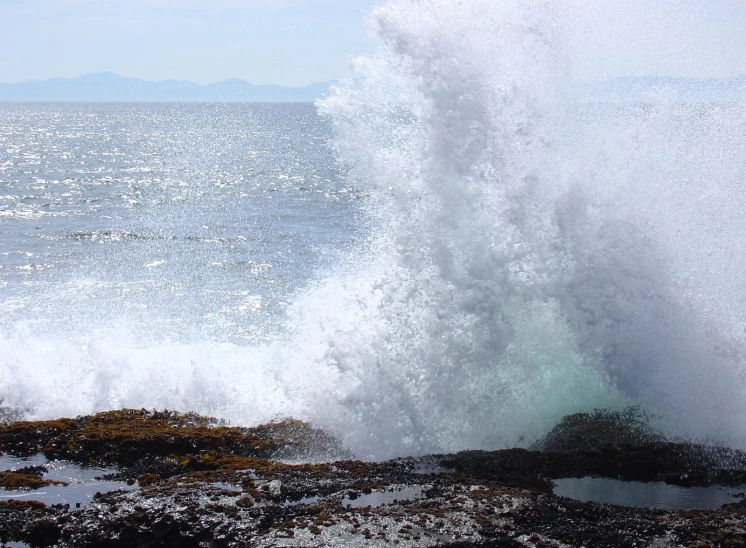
(697, 38)
(286, 42)
(296, 42)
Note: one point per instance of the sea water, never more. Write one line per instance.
(452, 250)
(147, 247)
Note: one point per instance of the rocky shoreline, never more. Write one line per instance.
(196, 482)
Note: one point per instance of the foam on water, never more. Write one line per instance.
(528, 257)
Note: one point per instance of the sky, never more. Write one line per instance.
(298, 42)
(680, 38)
(284, 42)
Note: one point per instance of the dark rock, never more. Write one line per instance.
(16, 514)
(15, 481)
(600, 429)
(146, 441)
(207, 484)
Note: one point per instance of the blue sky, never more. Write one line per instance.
(286, 42)
(297, 42)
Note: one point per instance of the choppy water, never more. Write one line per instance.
(497, 256)
(144, 245)
(165, 214)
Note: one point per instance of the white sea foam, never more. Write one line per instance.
(531, 257)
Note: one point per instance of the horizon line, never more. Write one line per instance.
(333, 81)
(118, 75)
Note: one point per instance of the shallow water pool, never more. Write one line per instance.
(82, 481)
(648, 495)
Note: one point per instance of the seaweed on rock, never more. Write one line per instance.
(204, 483)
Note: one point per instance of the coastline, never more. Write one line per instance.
(194, 481)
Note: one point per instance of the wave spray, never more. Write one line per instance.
(530, 256)
(526, 255)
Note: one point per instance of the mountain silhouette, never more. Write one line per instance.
(107, 86)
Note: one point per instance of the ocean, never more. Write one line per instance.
(448, 252)
(186, 218)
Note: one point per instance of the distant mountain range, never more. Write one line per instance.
(106, 86)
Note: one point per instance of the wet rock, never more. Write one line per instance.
(148, 441)
(15, 515)
(600, 429)
(25, 479)
(25, 438)
(612, 444)
(206, 484)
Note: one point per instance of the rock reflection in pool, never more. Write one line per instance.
(379, 498)
(74, 494)
(82, 481)
(648, 495)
